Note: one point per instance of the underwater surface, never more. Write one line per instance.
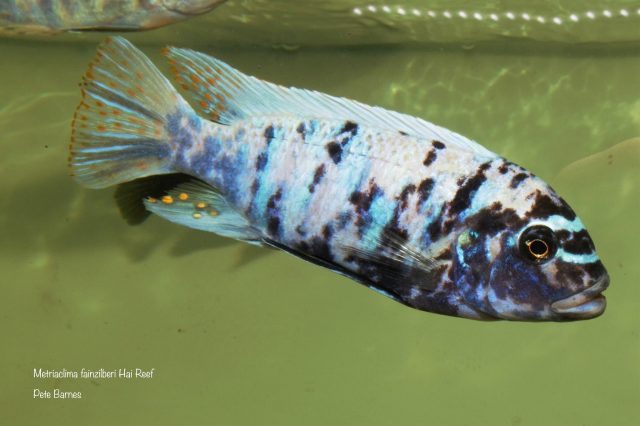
(240, 335)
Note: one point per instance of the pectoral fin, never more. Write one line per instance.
(331, 266)
(392, 262)
(393, 268)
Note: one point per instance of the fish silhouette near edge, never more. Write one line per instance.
(414, 211)
(46, 17)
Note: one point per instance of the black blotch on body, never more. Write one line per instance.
(576, 242)
(504, 167)
(273, 213)
(254, 187)
(301, 129)
(317, 176)
(351, 128)
(404, 196)
(544, 207)
(273, 226)
(261, 161)
(392, 233)
(430, 158)
(462, 200)
(316, 250)
(438, 145)
(335, 151)
(424, 191)
(362, 200)
(435, 228)
(440, 226)
(595, 269)
(403, 133)
(327, 231)
(493, 219)
(320, 248)
(272, 203)
(269, 134)
(518, 179)
(362, 203)
(334, 148)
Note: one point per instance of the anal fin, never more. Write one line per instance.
(130, 195)
(196, 205)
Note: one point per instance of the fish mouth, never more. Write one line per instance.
(588, 303)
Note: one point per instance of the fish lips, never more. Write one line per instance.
(589, 303)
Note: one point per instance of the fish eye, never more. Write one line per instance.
(538, 243)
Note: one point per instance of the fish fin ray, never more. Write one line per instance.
(225, 94)
(216, 87)
(197, 205)
(398, 262)
(119, 128)
(393, 272)
(339, 269)
(130, 195)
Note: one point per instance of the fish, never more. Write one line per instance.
(627, 158)
(47, 17)
(414, 211)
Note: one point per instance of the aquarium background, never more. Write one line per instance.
(240, 335)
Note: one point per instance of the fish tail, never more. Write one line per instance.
(120, 129)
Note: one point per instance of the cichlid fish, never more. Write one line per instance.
(416, 212)
(53, 16)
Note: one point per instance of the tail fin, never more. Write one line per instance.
(119, 130)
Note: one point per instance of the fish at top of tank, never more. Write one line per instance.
(53, 16)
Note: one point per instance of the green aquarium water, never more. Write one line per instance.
(232, 334)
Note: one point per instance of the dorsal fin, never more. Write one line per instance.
(224, 95)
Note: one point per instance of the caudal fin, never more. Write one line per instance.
(119, 130)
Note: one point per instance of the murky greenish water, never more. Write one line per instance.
(245, 336)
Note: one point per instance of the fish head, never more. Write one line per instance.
(528, 257)
(190, 7)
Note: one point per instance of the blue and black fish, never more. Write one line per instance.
(416, 212)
